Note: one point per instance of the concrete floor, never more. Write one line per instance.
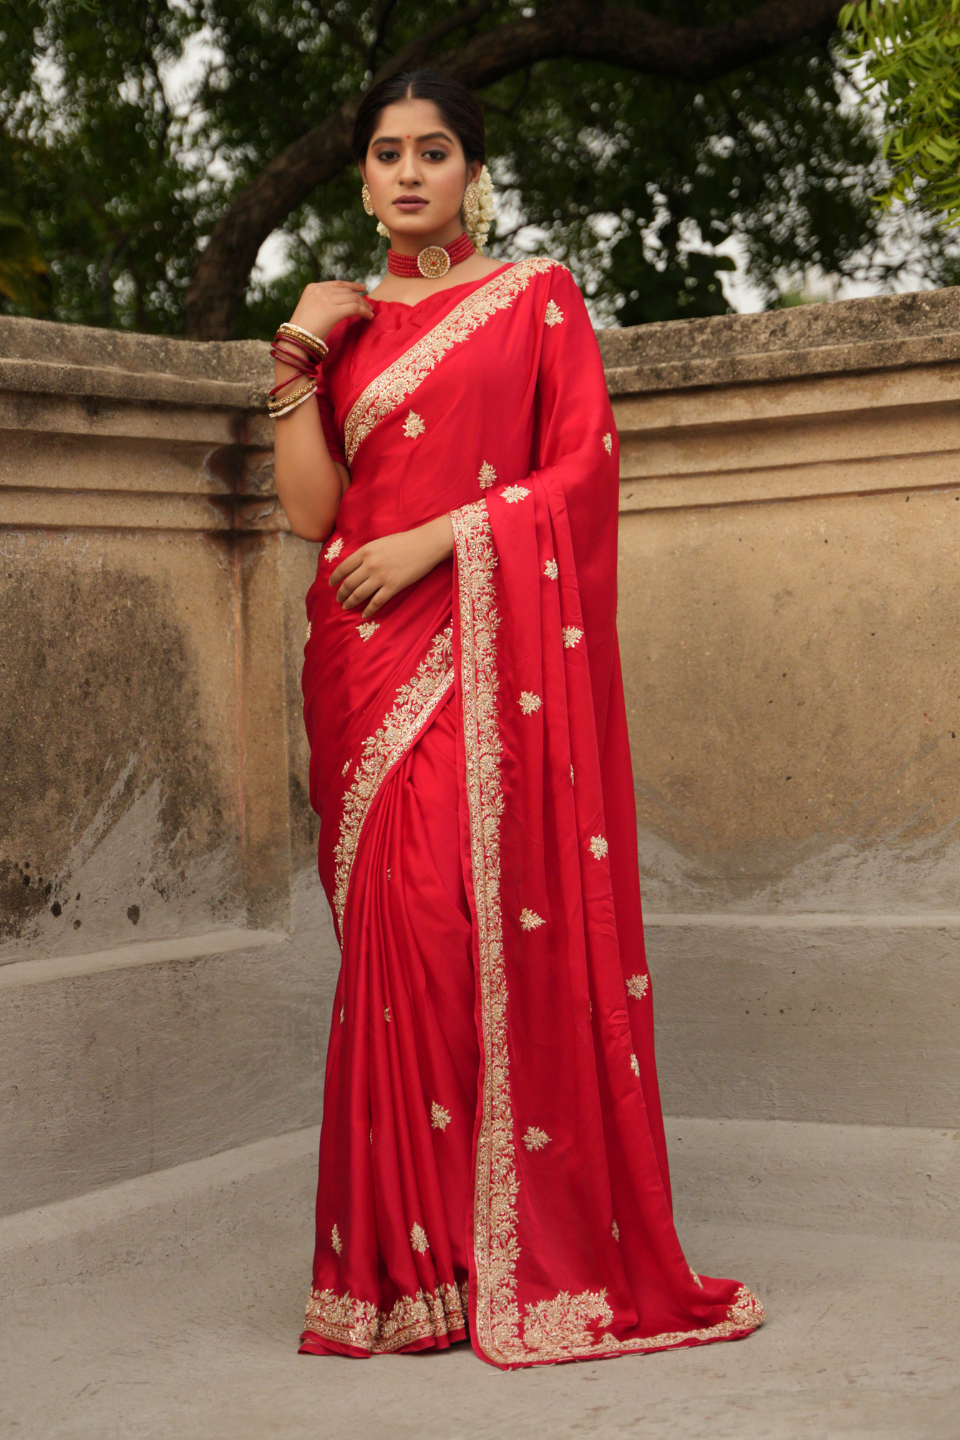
(169, 1307)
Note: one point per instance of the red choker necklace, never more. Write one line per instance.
(433, 261)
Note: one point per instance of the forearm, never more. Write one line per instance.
(308, 481)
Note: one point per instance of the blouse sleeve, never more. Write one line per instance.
(331, 430)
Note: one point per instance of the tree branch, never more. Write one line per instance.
(630, 39)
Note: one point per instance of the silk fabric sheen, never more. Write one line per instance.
(492, 1156)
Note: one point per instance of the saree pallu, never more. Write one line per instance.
(492, 1155)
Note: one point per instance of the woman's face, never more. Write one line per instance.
(416, 171)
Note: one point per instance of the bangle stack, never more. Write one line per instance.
(305, 360)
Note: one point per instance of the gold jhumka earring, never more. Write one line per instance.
(365, 197)
(471, 203)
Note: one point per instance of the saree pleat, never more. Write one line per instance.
(492, 1155)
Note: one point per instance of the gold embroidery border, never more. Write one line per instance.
(557, 1329)
(497, 1184)
(395, 384)
(414, 704)
(365, 1326)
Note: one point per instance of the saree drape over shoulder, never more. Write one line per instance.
(492, 1156)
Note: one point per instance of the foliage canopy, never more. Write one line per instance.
(127, 128)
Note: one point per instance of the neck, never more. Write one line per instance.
(407, 244)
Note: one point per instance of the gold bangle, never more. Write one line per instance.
(282, 405)
(313, 343)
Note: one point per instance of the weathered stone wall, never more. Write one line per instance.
(790, 516)
(790, 538)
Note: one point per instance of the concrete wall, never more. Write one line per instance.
(790, 541)
(790, 518)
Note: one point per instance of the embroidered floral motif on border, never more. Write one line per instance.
(404, 376)
(413, 706)
(363, 1325)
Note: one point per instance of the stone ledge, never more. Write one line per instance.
(874, 333)
(15, 973)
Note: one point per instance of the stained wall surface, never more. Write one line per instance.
(790, 517)
(790, 533)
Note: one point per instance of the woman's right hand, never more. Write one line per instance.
(322, 305)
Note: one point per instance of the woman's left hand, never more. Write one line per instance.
(375, 573)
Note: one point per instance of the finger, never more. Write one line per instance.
(361, 594)
(346, 567)
(378, 600)
(350, 584)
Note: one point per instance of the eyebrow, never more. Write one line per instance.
(395, 139)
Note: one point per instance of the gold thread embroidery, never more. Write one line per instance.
(386, 1014)
(513, 494)
(530, 920)
(335, 1240)
(345, 768)
(638, 985)
(608, 443)
(529, 703)
(487, 476)
(495, 1192)
(571, 636)
(343, 1013)
(367, 629)
(413, 425)
(559, 1326)
(309, 628)
(535, 1138)
(405, 375)
(333, 549)
(553, 315)
(635, 1066)
(363, 1325)
(696, 1277)
(551, 569)
(616, 1232)
(440, 1117)
(413, 706)
(497, 1185)
(571, 774)
(598, 847)
(418, 1239)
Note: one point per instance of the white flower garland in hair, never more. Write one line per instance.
(479, 229)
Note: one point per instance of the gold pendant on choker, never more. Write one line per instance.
(432, 262)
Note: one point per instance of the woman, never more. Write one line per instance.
(492, 1158)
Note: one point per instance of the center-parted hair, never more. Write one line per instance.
(458, 106)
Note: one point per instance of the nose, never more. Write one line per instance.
(409, 169)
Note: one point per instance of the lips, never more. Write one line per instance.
(409, 204)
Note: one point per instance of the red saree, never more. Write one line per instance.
(492, 1157)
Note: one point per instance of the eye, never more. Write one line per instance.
(385, 156)
(435, 154)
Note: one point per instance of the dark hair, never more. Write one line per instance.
(458, 106)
